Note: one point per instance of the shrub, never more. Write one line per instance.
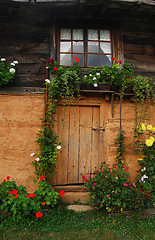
(145, 147)
(7, 71)
(110, 188)
(16, 201)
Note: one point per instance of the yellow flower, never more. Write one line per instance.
(140, 159)
(153, 129)
(149, 143)
(149, 127)
(143, 127)
(152, 139)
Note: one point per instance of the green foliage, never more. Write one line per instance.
(145, 148)
(120, 147)
(115, 75)
(7, 71)
(46, 194)
(64, 81)
(15, 201)
(47, 146)
(110, 188)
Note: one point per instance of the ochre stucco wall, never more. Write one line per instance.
(19, 124)
(113, 124)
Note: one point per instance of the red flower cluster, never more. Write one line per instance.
(115, 166)
(30, 195)
(51, 61)
(61, 193)
(42, 178)
(8, 177)
(55, 69)
(124, 167)
(85, 179)
(108, 196)
(120, 61)
(77, 59)
(127, 184)
(14, 192)
(39, 215)
(113, 58)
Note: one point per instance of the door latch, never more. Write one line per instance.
(98, 129)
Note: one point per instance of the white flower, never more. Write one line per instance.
(85, 76)
(46, 67)
(37, 159)
(95, 85)
(143, 177)
(47, 80)
(58, 147)
(3, 59)
(94, 78)
(90, 75)
(32, 154)
(12, 64)
(12, 70)
(15, 62)
(98, 74)
(144, 169)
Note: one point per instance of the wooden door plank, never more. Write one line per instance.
(95, 139)
(73, 145)
(85, 154)
(55, 129)
(63, 125)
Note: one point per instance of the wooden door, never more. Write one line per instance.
(81, 135)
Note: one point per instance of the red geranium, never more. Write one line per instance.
(55, 69)
(51, 61)
(120, 61)
(14, 192)
(4, 180)
(125, 185)
(8, 177)
(61, 193)
(39, 215)
(42, 178)
(77, 59)
(113, 58)
(10, 192)
(16, 196)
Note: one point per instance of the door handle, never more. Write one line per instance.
(98, 129)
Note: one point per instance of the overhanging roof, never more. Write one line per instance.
(132, 6)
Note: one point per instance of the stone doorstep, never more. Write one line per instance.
(80, 208)
(72, 197)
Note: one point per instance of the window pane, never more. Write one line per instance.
(65, 47)
(93, 47)
(105, 35)
(105, 47)
(80, 56)
(65, 59)
(77, 46)
(93, 60)
(65, 34)
(77, 34)
(92, 34)
(105, 60)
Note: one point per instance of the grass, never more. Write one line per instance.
(68, 225)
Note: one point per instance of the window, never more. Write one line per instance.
(91, 46)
